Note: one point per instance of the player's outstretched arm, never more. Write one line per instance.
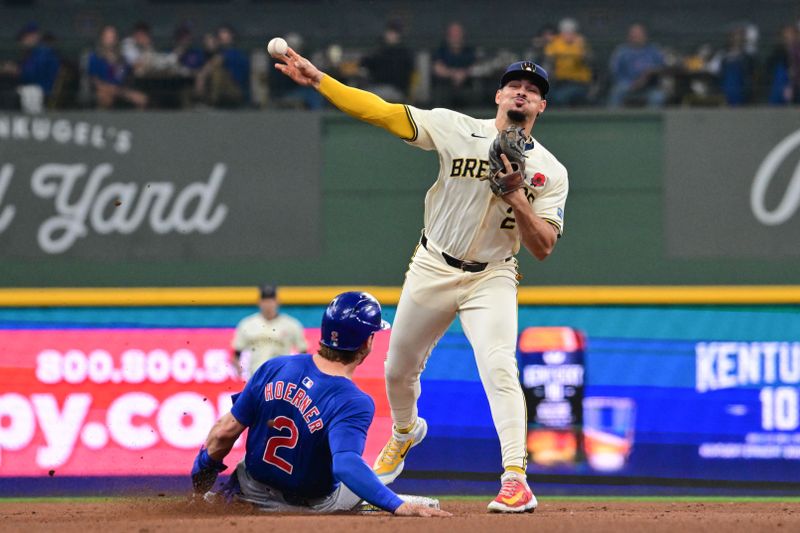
(350, 469)
(359, 104)
(223, 436)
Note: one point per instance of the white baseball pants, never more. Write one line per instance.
(486, 302)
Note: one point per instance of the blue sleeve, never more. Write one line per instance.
(348, 430)
(346, 438)
(95, 68)
(350, 469)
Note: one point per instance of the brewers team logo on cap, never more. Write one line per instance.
(530, 70)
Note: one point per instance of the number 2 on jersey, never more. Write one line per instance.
(510, 222)
(281, 423)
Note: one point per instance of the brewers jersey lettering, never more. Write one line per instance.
(462, 216)
(265, 339)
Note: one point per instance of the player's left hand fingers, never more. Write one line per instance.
(506, 164)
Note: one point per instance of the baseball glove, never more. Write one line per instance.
(510, 142)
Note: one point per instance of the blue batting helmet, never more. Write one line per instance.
(350, 319)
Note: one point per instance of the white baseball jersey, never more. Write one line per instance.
(462, 216)
(265, 339)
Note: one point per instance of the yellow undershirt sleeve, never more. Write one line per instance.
(363, 105)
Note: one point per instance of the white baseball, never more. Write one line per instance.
(277, 47)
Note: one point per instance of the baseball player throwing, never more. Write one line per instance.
(308, 424)
(465, 263)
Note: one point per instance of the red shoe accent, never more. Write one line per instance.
(515, 497)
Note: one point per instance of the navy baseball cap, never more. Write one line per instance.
(530, 70)
(268, 291)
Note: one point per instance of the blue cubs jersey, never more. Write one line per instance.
(298, 417)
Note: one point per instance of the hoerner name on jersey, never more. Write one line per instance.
(289, 392)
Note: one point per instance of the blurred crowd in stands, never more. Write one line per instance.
(210, 70)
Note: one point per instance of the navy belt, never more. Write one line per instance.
(466, 266)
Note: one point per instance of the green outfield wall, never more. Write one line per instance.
(359, 219)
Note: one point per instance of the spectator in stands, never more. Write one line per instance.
(451, 68)
(698, 61)
(36, 71)
(735, 70)
(751, 37)
(694, 83)
(210, 46)
(338, 63)
(792, 40)
(783, 68)
(187, 55)
(64, 94)
(224, 80)
(390, 67)
(138, 49)
(635, 69)
(210, 69)
(235, 61)
(567, 56)
(157, 74)
(544, 36)
(186, 60)
(109, 73)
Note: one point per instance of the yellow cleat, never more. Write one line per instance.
(391, 461)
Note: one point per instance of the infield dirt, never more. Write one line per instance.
(152, 514)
